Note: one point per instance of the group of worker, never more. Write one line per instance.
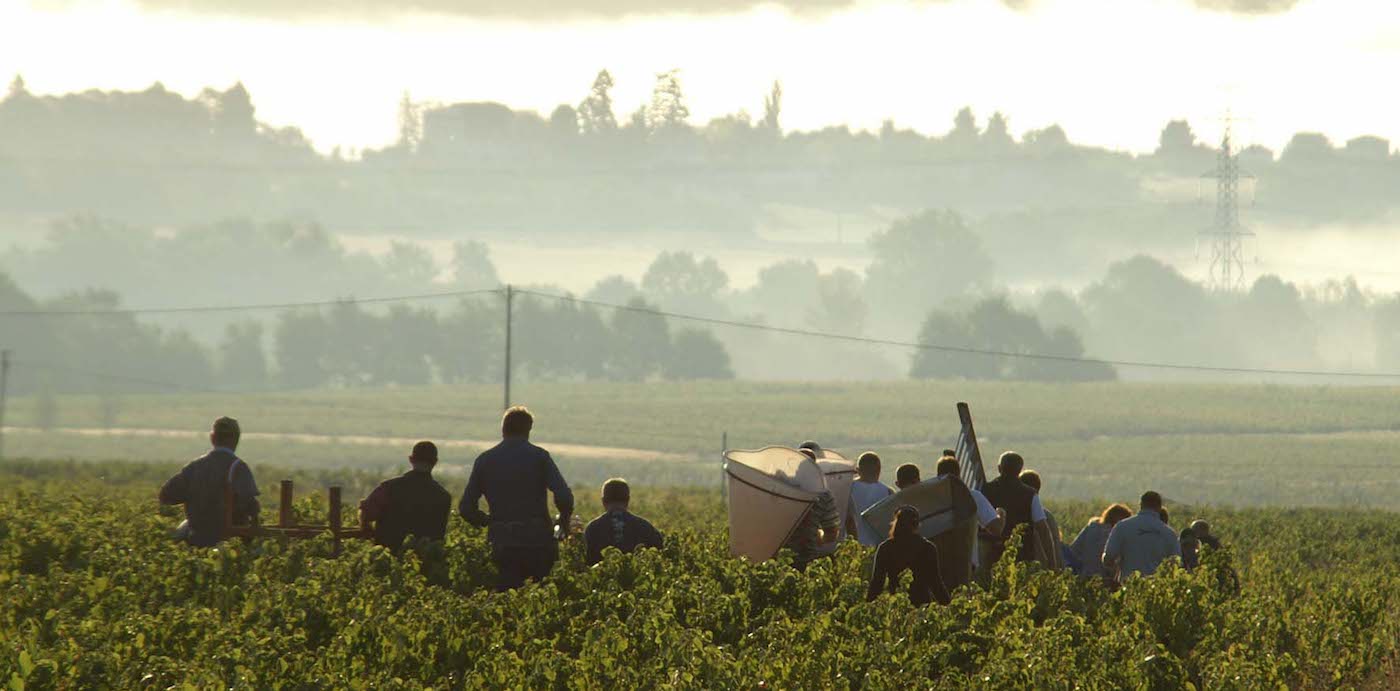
(516, 477)
(513, 476)
(1112, 546)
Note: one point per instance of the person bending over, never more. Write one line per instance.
(906, 550)
(200, 487)
(1088, 545)
(514, 476)
(617, 527)
(410, 504)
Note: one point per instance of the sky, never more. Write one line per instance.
(1111, 72)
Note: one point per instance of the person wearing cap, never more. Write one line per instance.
(410, 504)
(1201, 529)
(1141, 543)
(201, 486)
(514, 477)
(617, 527)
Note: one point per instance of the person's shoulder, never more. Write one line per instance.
(596, 524)
(640, 521)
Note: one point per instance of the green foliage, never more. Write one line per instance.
(93, 595)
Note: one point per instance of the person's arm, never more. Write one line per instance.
(245, 495)
(651, 537)
(877, 574)
(989, 519)
(851, 517)
(592, 544)
(176, 490)
(1112, 553)
(470, 506)
(374, 506)
(563, 496)
(1043, 542)
(935, 578)
(1081, 542)
(828, 518)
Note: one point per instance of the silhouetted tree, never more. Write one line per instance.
(471, 266)
(923, 260)
(667, 110)
(595, 113)
(772, 108)
(410, 123)
(242, 361)
(697, 354)
(642, 343)
(681, 283)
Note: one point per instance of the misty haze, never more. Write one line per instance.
(731, 259)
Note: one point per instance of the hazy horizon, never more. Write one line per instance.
(915, 63)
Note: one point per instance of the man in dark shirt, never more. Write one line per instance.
(201, 487)
(617, 527)
(1023, 507)
(514, 476)
(410, 504)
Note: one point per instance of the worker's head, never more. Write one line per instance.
(868, 466)
(948, 465)
(1031, 479)
(812, 446)
(1114, 513)
(906, 522)
(1010, 464)
(616, 494)
(949, 452)
(225, 433)
(906, 475)
(1151, 501)
(1200, 527)
(1166, 517)
(424, 456)
(517, 422)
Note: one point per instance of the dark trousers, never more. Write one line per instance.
(518, 563)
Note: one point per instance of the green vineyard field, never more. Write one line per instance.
(93, 595)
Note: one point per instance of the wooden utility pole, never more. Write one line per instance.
(4, 383)
(510, 299)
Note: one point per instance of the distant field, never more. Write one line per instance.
(1217, 444)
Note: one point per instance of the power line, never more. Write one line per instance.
(716, 322)
(961, 349)
(242, 308)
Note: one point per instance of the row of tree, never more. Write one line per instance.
(152, 155)
(345, 345)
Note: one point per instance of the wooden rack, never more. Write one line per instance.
(286, 525)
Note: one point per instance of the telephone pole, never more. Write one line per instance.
(1226, 235)
(4, 383)
(510, 299)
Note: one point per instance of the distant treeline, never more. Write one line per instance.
(155, 156)
(930, 279)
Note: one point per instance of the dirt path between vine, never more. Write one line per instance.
(562, 450)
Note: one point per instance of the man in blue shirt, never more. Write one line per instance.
(200, 487)
(514, 476)
(1141, 543)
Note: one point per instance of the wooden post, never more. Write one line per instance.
(334, 495)
(285, 517)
